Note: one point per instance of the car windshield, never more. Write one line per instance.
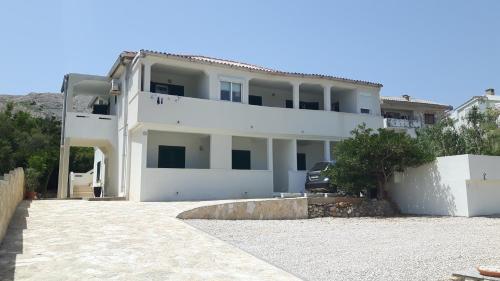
(320, 166)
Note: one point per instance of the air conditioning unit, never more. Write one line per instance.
(115, 87)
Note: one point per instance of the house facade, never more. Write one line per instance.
(407, 114)
(169, 127)
(488, 100)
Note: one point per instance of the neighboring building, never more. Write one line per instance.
(180, 127)
(488, 100)
(407, 114)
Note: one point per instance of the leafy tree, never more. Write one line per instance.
(442, 139)
(370, 158)
(81, 159)
(479, 135)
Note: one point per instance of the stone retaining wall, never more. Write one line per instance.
(348, 207)
(11, 193)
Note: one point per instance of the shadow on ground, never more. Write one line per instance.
(12, 244)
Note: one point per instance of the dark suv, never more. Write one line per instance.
(316, 182)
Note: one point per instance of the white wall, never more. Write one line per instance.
(194, 85)
(205, 184)
(220, 152)
(197, 148)
(451, 185)
(257, 148)
(271, 96)
(296, 181)
(284, 159)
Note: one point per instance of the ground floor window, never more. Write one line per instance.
(301, 162)
(171, 156)
(241, 160)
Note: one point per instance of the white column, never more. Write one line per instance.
(296, 97)
(62, 189)
(327, 98)
(245, 91)
(293, 152)
(326, 150)
(147, 77)
(269, 153)
(220, 152)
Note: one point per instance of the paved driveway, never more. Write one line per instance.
(81, 240)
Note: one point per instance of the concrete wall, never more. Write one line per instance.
(197, 148)
(452, 185)
(11, 193)
(271, 209)
(313, 151)
(204, 184)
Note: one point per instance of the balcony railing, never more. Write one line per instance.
(173, 111)
(401, 123)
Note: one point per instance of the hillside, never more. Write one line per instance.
(42, 104)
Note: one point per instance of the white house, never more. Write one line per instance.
(407, 114)
(182, 127)
(488, 100)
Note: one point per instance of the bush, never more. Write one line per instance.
(32, 177)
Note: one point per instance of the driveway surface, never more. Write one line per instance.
(120, 240)
(402, 248)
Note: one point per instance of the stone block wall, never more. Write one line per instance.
(11, 193)
(349, 207)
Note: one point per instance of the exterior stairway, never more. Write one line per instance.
(83, 191)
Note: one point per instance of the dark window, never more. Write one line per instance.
(365, 110)
(255, 100)
(309, 105)
(171, 156)
(168, 89)
(98, 173)
(102, 109)
(303, 105)
(230, 91)
(336, 106)
(116, 99)
(301, 161)
(429, 118)
(241, 159)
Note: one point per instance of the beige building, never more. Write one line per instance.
(407, 114)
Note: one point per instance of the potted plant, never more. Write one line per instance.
(32, 183)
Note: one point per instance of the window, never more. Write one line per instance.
(336, 106)
(241, 160)
(429, 118)
(255, 100)
(303, 105)
(171, 156)
(301, 161)
(167, 89)
(365, 111)
(230, 91)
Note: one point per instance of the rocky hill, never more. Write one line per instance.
(43, 104)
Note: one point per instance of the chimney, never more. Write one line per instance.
(406, 97)
(490, 92)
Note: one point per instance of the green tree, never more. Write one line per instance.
(369, 158)
(442, 139)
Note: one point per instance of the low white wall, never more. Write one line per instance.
(80, 179)
(11, 193)
(452, 185)
(296, 181)
(204, 184)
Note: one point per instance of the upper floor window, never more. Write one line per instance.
(230, 91)
(429, 118)
(365, 110)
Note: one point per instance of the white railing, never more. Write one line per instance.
(401, 123)
(229, 116)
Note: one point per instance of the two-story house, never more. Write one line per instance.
(407, 114)
(183, 127)
(488, 100)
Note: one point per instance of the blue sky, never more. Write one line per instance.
(444, 50)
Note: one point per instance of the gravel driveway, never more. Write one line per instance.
(405, 248)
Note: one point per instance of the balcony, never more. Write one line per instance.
(168, 112)
(401, 123)
(85, 129)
